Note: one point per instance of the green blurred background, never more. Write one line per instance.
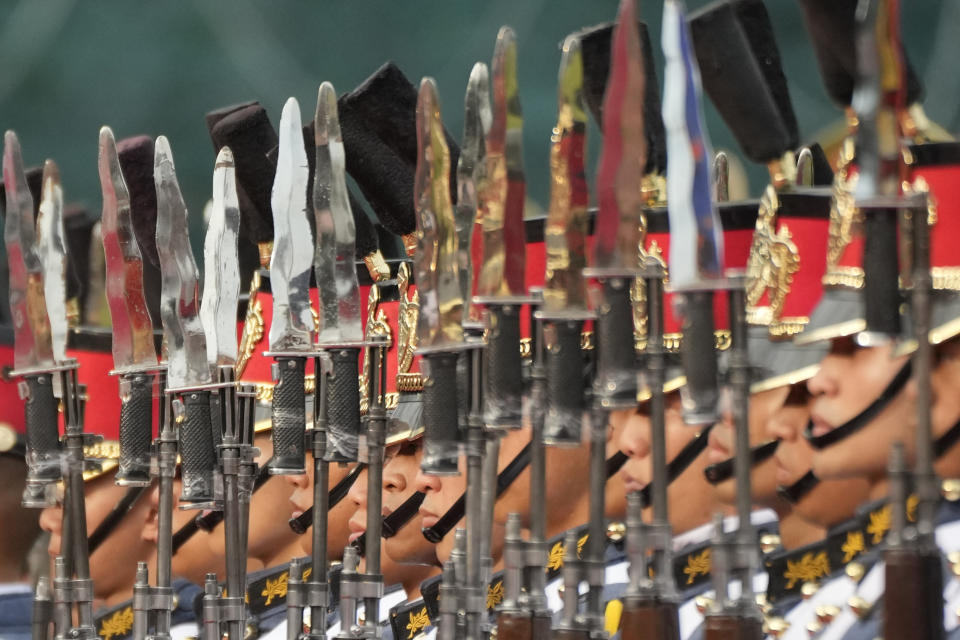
(156, 68)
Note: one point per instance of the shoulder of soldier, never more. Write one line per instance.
(116, 622)
(410, 619)
(16, 611)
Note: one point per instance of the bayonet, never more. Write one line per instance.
(187, 370)
(52, 250)
(291, 330)
(341, 331)
(472, 181)
(439, 328)
(134, 353)
(564, 293)
(32, 345)
(221, 282)
(696, 238)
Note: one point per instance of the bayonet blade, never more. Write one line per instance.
(805, 168)
(438, 282)
(334, 260)
(471, 178)
(696, 236)
(566, 229)
(32, 345)
(179, 296)
(52, 250)
(504, 242)
(221, 275)
(617, 230)
(133, 345)
(292, 259)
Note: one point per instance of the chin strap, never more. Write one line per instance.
(392, 524)
(122, 508)
(863, 418)
(680, 463)
(795, 492)
(301, 523)
(946, 442)
(723, 471)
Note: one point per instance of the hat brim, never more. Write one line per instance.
(779, 363)
(944, 321)
(839, 314)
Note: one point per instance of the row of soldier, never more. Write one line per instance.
(575, 479)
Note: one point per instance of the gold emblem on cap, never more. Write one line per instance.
(844, 223)
(773, 261)
(377, 327)
(253, 326)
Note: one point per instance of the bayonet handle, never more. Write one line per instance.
(563, 421)
(440, 413)
(702, 391)
(504, 388)
(343, 405)
(913, 597)
(43, 436)
(136, 430)
(197, 455)
(732, 627)
(289, 417)
(616, 383)
(514, 625)
(881, 272)
(648, 618)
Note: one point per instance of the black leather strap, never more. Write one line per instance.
(615, 463)
(946, 442)
(680, 463)
(863, 418)
(795, 492)
(301, 523)
(723, 471)
(121, 509)
(402, 514)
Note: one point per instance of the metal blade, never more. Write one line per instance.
(133, 345)
(292, 326)
(566, 231)
(32, 346)
(471, 176)
(504, 242)
(696, 236)
(438, 282)
(221, 275)
(617, 230)
(336, 233)
(52, 250)
(179, 296)
(805, 168)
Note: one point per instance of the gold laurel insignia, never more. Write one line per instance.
(276, 588)
(580, 544)
(853, 546)
(253, 327)
(417, 622)
(845, 219)
(810, 567)
(555, 559)
(880, 522)
(377, 326)
(119, 624)
(698, 564)
(773, 261)
(494, 594)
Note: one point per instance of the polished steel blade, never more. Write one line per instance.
(179, 296)
(617, 230)
(52, 251)
(504, 241)
(805, 168)
(334, 258)
(438, 282)
(32, 346)
(471, 176)
(221, 266)
(133, 345)
(566, 230)
(696, 236)
(292, 260)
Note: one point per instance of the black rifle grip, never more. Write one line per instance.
(289, 417)
(197, 456)
(881, 272)
(43, 433)
(616, 383)
(343, 405)
(504, 392)
(698, 355)
(136, 430)
(440, 413)
(564, 367)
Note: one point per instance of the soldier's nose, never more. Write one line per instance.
(633, 442)
(425, 483)
(51, 519)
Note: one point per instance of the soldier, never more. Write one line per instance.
(21, 532)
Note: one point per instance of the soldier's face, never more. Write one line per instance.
(722, 445)
(440, 493)
(113, 564)
(300, 491)
(636, 440)
(945, 382)
(408, 546)
(269, 531)
(849, 380)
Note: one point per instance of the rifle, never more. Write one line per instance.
(571, 625)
